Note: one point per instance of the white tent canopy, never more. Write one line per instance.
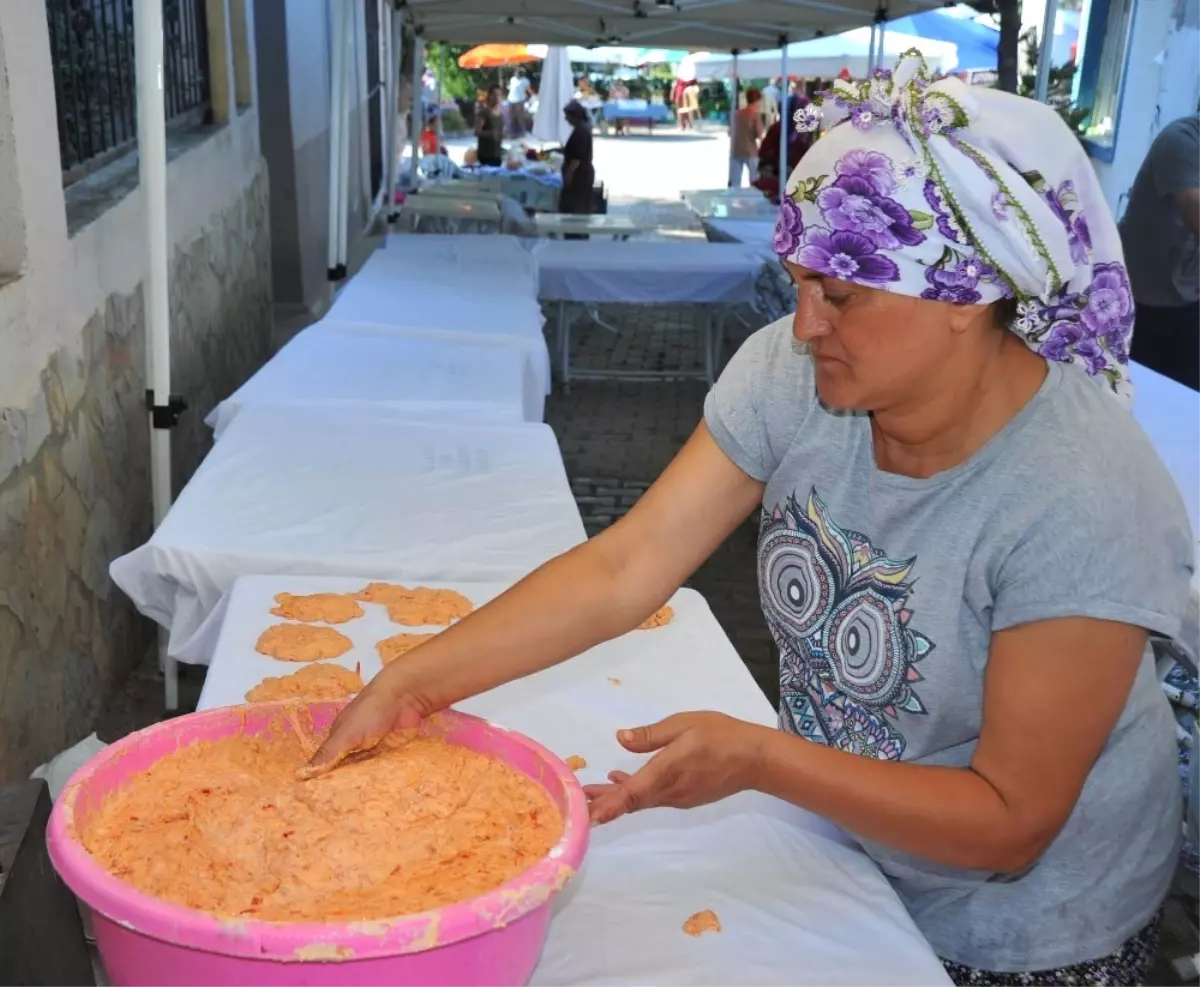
(712, 25)
(824, 58)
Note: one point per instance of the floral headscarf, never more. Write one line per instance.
(968, 195)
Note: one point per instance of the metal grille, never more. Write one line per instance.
(91, 50)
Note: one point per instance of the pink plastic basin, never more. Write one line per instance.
(495, 938)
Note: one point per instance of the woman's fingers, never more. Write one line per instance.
(643, 740)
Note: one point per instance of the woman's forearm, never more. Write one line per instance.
(948, 815)
(566, 606)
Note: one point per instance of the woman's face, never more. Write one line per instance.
(874, 349)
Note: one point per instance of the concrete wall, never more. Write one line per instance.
(74, 439)
(1162, 83)
(294, 40)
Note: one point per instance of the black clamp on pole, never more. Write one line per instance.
(165, 416)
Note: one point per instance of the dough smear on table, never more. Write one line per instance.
(391, 648)
(300, 642)
(309, 682)
(576, 763)
(660, 618)
(224, 826)
(419, 606)
(702, 922)
(326, 608)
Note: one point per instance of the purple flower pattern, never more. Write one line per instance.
(871, 166)
(947, 224)
(846, 256)
(789, 228)
(852, 204)
(958, 284)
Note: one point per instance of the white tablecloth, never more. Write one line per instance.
(756, 233)
(799, 904)
(1170, 414)
(344, 491)
(648, 272)
(436, 378)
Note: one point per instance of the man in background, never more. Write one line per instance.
(1159, 233)
(747, 132)
(518, 91)
(771, 96)
(489, 130)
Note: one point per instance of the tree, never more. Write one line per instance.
(1058, 90)
(1009, 12)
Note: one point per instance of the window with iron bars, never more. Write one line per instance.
(91, 51)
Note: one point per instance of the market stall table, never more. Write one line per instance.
(796, 899)
(641, 273)
(629, 111)
(500, 258)
(433, 378)
(730, 203)
(1170, 415)
(342, 490)
(615, 225)
(777, 292)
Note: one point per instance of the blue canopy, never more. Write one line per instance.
(976, 43)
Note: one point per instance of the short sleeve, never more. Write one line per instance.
(1124, 552)
(761, 400)
(1177, 160)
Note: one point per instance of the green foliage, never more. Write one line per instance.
(1058, 91)
(460, 83)
(453, 122)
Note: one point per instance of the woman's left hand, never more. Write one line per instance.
(702, 758)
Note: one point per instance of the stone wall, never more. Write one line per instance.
(74, 477)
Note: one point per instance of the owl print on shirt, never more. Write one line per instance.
(836, 607)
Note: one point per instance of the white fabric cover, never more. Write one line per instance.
(340, 490)
(799, 904)
(639, 271)
(434, 378)
(554, 93)
(756, 233)
(1170, 414)
(479, 290)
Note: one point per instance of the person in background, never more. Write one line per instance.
(691, 104)
(799, 142)
(489, 130)
(747, 132)
(771, 96)
(578, 174)
(531, 104)
(618, 91)
(677, 91)
(518, 91)
(1159, 231)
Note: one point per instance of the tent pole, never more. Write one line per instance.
(438, 109)
(1045, 46)
(418, 110)
(733, 109)
(337, 82)
(880, 59)
(785, 117)
(349, 73)
(152, 168)
(871, 49)
(397, 27)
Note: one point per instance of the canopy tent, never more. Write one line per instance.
(626, 57)
(825, 58)
(976, 43)
(696, 25)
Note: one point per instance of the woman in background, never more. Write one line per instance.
(578, 173)
(489, 130)
(768, 151)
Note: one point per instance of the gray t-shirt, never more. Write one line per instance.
(883, 591)
(1161, 252)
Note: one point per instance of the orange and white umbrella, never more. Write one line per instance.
(496, 56)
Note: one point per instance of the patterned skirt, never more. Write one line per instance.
(1127, 966)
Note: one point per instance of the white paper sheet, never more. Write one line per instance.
(1170, 414)
(307, 489)
(640, 271)
(433, 378)
(798, 902)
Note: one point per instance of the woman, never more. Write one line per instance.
(799, 142)
(747, 132)
(489, 130)
(965, 542)
(578, 174)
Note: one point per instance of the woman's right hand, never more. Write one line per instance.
(382, 708)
